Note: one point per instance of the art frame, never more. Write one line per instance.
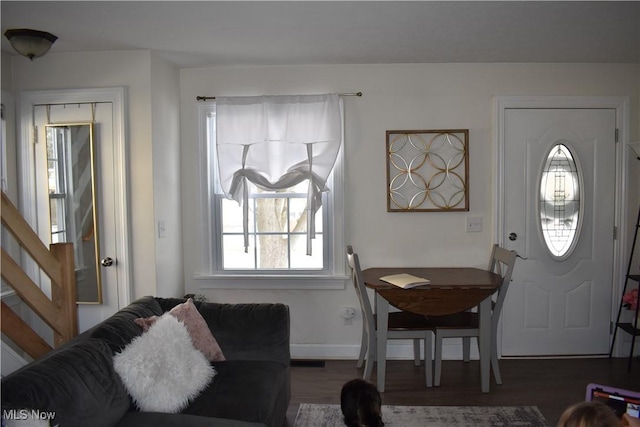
(427, 170)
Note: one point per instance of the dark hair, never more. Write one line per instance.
(361, 404)
(588, 414)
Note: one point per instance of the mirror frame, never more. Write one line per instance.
(69, 175)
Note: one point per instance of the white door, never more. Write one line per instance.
(56, 108)
(559, 302)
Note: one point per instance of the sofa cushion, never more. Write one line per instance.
(76, 382)
(245, 390)
(161, 369)
(245, 331)
(198, 329)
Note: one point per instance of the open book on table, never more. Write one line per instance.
(405, 280)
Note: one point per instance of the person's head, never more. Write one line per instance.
(589, 414)
(361, 404)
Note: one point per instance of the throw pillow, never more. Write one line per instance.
(161, 369)
(145, 322)
(198, 329)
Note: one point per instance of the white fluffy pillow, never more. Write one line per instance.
(161, 369)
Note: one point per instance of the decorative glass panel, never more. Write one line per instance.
(560, 207)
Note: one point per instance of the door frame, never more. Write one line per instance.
(26, 181)
(621, 106)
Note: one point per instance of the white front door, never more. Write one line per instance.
(559, 302)
(103, 108)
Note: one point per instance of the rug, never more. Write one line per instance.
(312, 415)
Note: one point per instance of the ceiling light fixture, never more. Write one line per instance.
(30, 43)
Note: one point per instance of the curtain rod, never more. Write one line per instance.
(207, 98)
(56, 104)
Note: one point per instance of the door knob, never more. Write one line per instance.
(513, 236)
(106, 262)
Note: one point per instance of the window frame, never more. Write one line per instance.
(213, 276)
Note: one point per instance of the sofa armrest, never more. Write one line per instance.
(246, 331)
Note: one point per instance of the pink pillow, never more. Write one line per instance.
(146, 322)
(198, 329)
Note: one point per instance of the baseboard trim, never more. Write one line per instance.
(399, 350)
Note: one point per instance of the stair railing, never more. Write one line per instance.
(59, 312)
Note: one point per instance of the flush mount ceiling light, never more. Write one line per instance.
(30, 43)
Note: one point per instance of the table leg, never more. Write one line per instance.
(484, 314)
(382, 306)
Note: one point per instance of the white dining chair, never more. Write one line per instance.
(402, 325)
(465, 325)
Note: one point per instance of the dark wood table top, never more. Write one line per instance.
(451, 290)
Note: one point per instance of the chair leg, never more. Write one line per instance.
(494, 364)
(363, 348)
(438, 360)
(370, 359)
(466, 349)
(416, 351)
(428, 364)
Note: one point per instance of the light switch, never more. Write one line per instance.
(162, 230)
(474, 224)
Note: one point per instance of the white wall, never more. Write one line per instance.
(402, 96)
(8, 100)
(165, 95)
(7, 74)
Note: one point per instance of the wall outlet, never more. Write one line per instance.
(348, 314)
(474, 224)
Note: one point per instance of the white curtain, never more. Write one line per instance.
(276, 142)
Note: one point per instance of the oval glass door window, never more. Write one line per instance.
(560, 205)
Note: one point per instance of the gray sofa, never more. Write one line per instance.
(77, 381)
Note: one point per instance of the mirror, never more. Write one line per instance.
(72, 202)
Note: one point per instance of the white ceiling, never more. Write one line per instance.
(199, 33)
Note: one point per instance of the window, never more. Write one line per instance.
(276, 253)
(277, 232)
(57, 175)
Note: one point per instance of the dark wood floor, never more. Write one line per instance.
(549, 384)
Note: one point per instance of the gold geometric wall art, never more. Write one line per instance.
(427, 170)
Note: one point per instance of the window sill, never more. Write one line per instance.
(263, 282)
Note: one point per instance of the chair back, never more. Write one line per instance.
(358, 282)
(502, 262)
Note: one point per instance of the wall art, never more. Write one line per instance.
(427, 170)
